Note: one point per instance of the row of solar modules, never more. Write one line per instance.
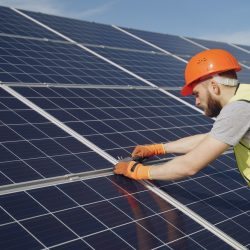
(33, 148)
(114, 119)
(101, 213)
(106, 208)
(31, 54)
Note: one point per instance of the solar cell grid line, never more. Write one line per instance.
(51, 118)
(243, 75)
(54, 222)
(89, 32)
(173, 44)
(14, 24)
(158, 68)
(118, 119)
(189, 99)
(236, 240)
(89, 50)
(31, 61)
(150, 44)
(34, 148)
(84, 216)
(219, 197)
(225, 165)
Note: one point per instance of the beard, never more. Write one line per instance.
(213, 107)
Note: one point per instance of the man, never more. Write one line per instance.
(211, 77)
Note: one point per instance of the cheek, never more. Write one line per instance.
(204, 98)
(197, 100)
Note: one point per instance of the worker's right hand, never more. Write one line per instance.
(143, 151)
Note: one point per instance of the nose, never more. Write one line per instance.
(197, 101)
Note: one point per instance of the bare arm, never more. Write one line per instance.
(192, 162)
(184, 145)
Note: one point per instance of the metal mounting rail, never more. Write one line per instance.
(24, 186)
(78, 86)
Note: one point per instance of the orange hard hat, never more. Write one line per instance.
(205, 64)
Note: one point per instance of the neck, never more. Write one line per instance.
(228, 93)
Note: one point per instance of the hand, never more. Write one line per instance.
(133, 170)
(148, 150)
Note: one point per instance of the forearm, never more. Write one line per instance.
(181, 166)
(184, 145)
(177, 168)
(191, 163)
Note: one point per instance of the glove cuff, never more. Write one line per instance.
(160, 149)
(143, 172)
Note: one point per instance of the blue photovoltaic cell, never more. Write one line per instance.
(89, 32)
(127, 216)
(241, 56)
(218, 194)
(30, 61)
(158, 68)
(13, 23)
(189, 99)
(33, 148)
(173, 44)
(118, 119)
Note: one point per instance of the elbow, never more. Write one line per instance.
(191, 172)
(191, 168)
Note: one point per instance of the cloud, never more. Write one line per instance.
(240, 37)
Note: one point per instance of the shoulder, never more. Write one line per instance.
(236, 108)
(238, 104)
(232, 123)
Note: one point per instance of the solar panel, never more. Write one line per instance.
(115, 111)
(118, 119)
(118, 214)
(172, 44)
(15, 24)
(29, 61)
(158, 68)
(33, 148)
(89, 32)
(219, 195)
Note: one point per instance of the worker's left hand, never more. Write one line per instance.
(132, 169)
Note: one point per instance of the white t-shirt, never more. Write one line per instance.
(233, 123)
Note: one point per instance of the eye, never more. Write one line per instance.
(196, 94)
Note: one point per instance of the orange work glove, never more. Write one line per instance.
(132, 169)
(149, 150)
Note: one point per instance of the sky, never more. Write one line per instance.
(218, 20)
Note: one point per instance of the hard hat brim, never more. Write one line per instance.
(187, 90)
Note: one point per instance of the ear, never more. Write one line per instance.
(214, 88)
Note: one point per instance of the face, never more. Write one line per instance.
(205, 100)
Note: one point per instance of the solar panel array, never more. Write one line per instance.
(70, 106)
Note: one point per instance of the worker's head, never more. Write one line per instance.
(207, 74)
